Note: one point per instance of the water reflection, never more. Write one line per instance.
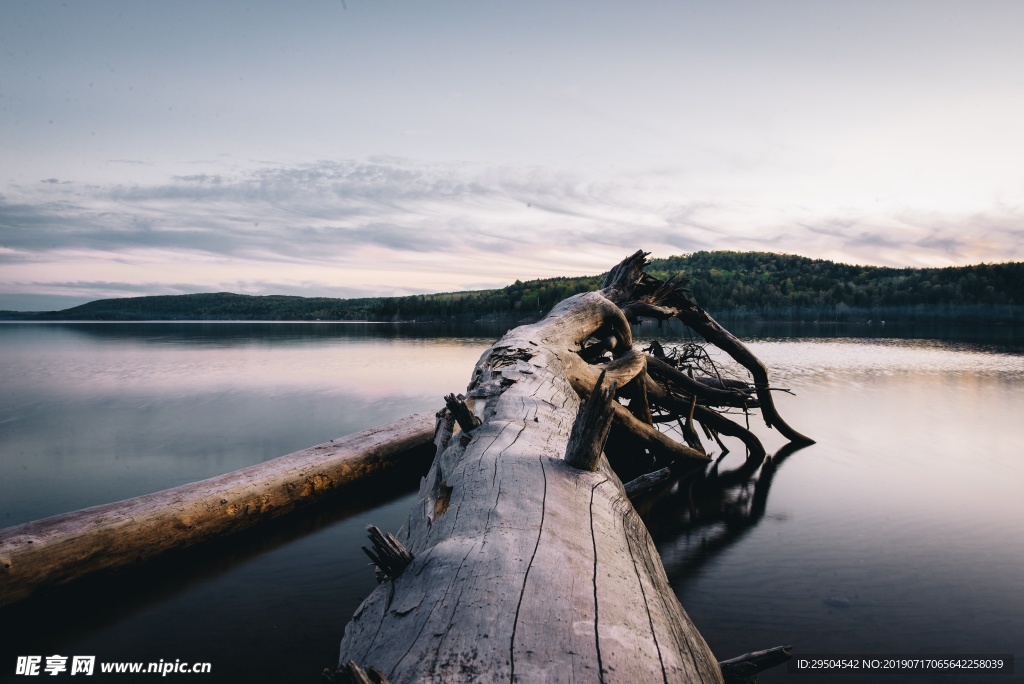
(87, 419)
(1009, 338)
(308, 563)
(908, 506)
(218, 333)
(882, 357)
(706, 512)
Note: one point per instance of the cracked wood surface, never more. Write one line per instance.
(535, 571)
(62, 548)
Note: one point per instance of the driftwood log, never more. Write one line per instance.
(526, 560)
(63, 548)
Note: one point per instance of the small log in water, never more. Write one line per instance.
(65, 547)
(745, 668)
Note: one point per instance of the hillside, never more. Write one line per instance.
(728, 284)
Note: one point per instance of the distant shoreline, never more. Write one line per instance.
(725, 317)
(730, 285)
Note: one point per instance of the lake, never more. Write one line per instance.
(900, 531)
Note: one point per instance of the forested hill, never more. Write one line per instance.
(766, 285)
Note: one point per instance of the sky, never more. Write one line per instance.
(386, 147)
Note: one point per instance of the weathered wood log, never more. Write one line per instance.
(350, 673)
(646, 483)
(535, 571)
(388, 554)
(636, 393)
(690, 435)
(651, 438)
(659, 396)
(65, 547)
(709, 395)
(699, 319)
(666, 299)
(591, 427)
(463, 416)
(744, 669)
(525, 568)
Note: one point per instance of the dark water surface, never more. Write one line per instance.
(901, 530)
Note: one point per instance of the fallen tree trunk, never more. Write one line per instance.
(521, 566)
(531, 570)
(63, 548)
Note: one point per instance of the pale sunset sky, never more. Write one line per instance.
(376, 147)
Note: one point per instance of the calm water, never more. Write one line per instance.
(900, 531)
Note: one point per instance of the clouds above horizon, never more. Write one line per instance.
(396, 226)
(371, 147)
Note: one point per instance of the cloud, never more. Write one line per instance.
(200, 178)
(385, 225)
(951, 245)
(295, 212)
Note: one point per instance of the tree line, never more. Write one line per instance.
(728, 284)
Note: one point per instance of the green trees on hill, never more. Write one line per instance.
(758, 284)
(519, 300)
